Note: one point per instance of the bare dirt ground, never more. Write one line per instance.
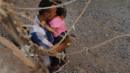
(10, 64)
(102, 21)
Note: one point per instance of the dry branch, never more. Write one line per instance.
(17, 52)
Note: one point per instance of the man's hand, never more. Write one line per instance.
(57, 48)
(53, 50)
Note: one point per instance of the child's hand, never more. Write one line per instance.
(50, 29)
(43, 23)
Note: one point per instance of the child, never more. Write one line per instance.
(55, 19)
(57, 24)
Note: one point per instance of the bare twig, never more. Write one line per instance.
(59, 5)
(16, 51)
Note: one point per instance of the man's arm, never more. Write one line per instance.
(46, 42)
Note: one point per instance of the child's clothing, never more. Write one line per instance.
(59, 27)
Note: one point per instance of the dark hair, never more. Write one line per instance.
(61, 11)
(44, 3)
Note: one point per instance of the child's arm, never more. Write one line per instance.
(47, 27)
(50, 29)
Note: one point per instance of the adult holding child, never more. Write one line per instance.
(48, 30)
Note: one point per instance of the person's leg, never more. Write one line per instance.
(47, 61)
(54, 61)
(57, 39)
(35, 38)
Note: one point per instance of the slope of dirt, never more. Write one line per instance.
(103, 20)
(10, 63)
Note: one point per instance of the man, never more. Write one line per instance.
(38, 36)
(41, 35)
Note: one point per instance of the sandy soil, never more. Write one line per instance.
(10, 63)
(103, 20)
